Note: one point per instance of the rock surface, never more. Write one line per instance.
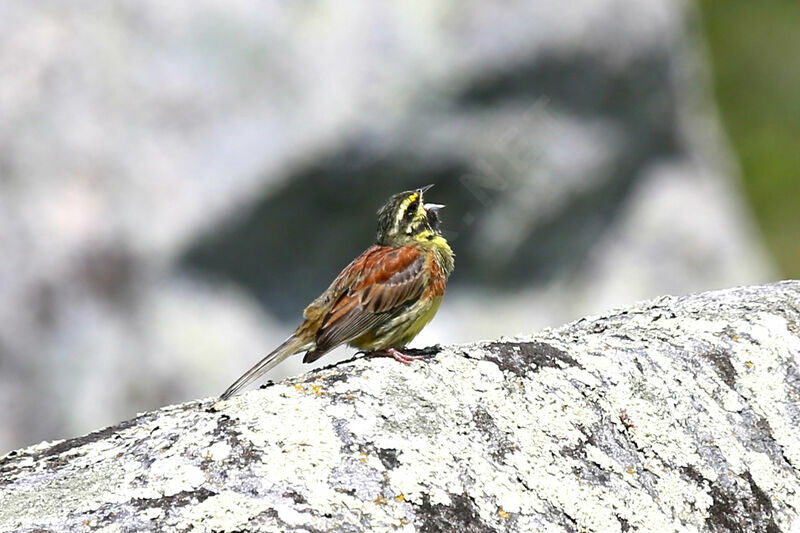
(677, 414)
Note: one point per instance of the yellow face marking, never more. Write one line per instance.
(420, 214)
(430, 236)
(402, 209)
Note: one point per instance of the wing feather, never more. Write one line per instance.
(383, 281)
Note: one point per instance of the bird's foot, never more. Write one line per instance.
(403, 358)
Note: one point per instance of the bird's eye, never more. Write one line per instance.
(411, 210)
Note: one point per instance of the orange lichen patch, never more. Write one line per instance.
(400, 497)
(630, 470)
(298, 387)
(749, 364)
(363, 457)
(380, 500)
(503, 513)
(318, 390)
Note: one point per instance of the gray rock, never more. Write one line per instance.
(677, 414)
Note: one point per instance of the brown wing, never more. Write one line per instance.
(380, 283)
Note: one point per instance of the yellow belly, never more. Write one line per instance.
(401, 329)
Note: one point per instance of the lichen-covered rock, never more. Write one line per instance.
(678, 414)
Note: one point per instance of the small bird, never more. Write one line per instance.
(381, 300)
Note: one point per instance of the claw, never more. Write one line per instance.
(403, 358)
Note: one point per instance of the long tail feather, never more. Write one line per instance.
(290, 346)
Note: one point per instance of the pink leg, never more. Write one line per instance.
(403, 358)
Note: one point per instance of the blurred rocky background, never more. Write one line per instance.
(178, 179)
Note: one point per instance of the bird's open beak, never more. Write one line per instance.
(429, 207)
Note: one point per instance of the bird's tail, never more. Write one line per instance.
(290, 346)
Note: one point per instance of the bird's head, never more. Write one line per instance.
(405, 218)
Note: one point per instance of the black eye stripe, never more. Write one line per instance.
(411, 210)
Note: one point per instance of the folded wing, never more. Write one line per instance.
(381, 283)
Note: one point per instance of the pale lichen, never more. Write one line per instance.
(676, 414)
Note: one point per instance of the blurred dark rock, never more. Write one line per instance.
(638, 102)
